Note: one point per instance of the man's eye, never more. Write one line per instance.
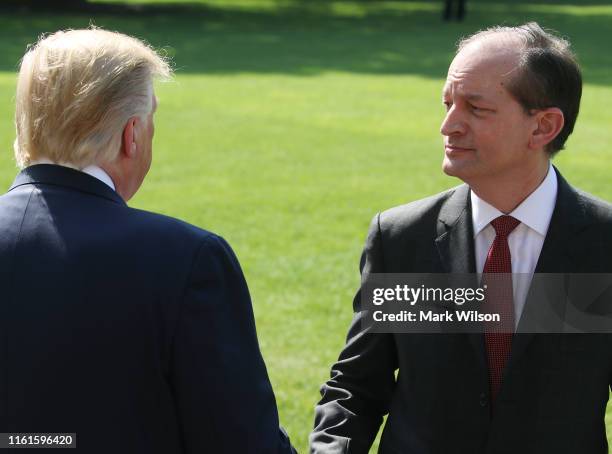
(447, 104)
(477, 109)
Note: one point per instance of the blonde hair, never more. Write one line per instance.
(76, 91)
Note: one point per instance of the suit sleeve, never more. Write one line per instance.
(357, 395)
(224, 399)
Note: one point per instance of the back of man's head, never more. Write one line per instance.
(75, 92)
(547, 75)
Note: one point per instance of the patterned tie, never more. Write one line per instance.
(499, 300)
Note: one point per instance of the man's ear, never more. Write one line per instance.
(549, 123)
(129, 147)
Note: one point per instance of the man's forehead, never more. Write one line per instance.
(484, 59)
(479, 69)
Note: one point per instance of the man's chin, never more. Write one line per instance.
(458, 168)
(451, 168)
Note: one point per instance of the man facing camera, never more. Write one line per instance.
(512, 96)
(132, 330)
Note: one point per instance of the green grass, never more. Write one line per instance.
(291, 124)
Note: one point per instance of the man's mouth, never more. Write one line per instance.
(448, 148)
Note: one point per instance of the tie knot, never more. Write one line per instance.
(504, 225)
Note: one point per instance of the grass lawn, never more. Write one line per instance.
(289, 125)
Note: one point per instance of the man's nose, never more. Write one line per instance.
(453, 123)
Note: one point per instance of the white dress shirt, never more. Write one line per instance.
(93, 170)
(525, 241)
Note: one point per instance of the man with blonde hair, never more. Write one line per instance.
(132, 330)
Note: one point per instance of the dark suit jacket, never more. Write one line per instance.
(131, 329)
(555, 387)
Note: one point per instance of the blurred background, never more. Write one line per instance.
(291, 123)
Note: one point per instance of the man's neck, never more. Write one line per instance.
(506, 192)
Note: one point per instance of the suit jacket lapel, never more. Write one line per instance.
(558, 255)
(455, 245)
(455, 241)
(560, 252)
(568, 217)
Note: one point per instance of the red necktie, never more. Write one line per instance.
(499, 300)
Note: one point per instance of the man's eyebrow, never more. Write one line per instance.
(474, 97)
(469, 96)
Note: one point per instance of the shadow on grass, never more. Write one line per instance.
(310, 38)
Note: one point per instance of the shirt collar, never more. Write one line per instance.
(535, 211)
(93, 170)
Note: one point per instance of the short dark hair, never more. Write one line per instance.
(548, 74)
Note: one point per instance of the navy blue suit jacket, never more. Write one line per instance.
(131, 329)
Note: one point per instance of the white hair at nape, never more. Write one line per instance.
(77, 89)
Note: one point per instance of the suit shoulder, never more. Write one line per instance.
(167, 228)
(415, 214)
(597, 209)
(176, 240)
